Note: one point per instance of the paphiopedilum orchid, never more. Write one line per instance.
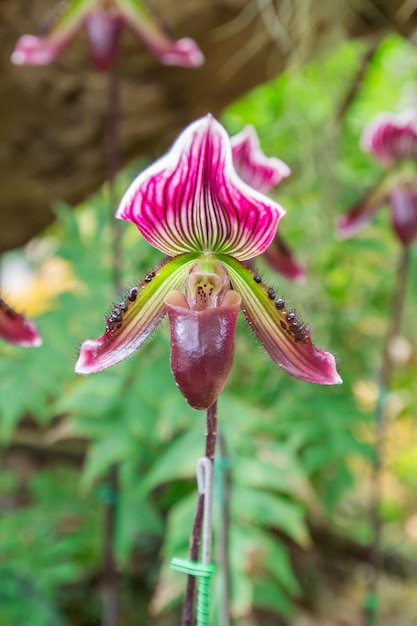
(192, 206)
(392, 140)
(263, 173)
(15, 328)
(103, 20)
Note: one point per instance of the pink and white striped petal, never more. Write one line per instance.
(32, 50)
(182, 52)
(252, 165)
(283, 336)
(192, 200)
(392, 137)
(16, 329)
(135, 317)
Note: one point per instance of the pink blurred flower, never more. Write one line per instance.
(391, 137)
(392, 140)
(103, 20)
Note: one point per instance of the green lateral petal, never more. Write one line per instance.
(32, 50)
(183, 52)
(285, 339)
(135, 317)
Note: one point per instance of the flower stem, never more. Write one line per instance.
(211, 431)
(384, 381)
(111, 601)
(113, 164)
(188, 617)
(354, 87)
(110, 607)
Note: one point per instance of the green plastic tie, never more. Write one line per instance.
(222, 463)
(106, 495)
(203, 572)
(371, 608)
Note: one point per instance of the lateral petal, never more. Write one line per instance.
(15, 328)
(183, 52)
(192, 199)
(363, 210)
(135, 317)
(32, 50)
(285, 339)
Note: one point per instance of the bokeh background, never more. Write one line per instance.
(309, 78)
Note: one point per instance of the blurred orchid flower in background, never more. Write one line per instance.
(15, 328)
(192, 206)
(103, 20)
(392, 140)
(263, 173)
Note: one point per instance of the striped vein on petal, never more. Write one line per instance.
(191, 199)
(135, 317)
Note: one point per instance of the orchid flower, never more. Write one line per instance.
(263, 173)
(103, 20)
(392, 140)
(15, 328)
(192, 206)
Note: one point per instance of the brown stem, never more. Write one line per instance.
(356, 83)
(188, 618)
(113, 160)
(110, 615)
(111, 602)
(211, 431)
(384, 381)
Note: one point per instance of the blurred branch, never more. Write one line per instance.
(111, 602)
(384, 383)
(356, 82)
(335, 548)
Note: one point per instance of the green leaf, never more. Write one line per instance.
(268, 595)
(103, 453)
(270, 510)
(178, 460)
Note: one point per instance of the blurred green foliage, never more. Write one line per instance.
(292, 446)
